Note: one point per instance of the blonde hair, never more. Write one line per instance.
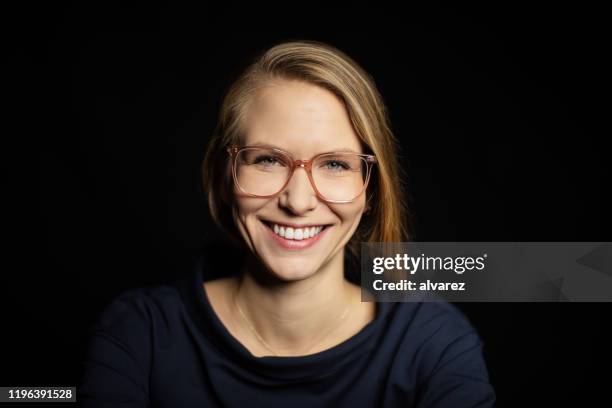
(325, 66)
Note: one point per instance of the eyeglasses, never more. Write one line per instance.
(336, 177)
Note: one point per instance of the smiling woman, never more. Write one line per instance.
(301, 169)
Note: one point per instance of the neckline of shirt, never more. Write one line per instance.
(284, 367)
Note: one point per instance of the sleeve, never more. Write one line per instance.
(457, 374)
(116, 365)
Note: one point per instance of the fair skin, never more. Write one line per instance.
(294, 299)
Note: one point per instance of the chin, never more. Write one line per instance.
(291, 269)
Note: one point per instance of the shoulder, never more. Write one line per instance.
(134, 319)
(431, 318)
(437, 333)
(446, 354)
(136, 305)
(430, 321)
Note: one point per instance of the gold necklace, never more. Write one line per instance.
(256, 333)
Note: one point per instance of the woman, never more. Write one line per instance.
(301, 169)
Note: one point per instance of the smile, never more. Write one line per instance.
(293, 237)
(296, 233)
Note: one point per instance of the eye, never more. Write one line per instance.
(266, 160)
(336, 165)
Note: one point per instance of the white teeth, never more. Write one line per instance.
(289, 233)
(297, 234)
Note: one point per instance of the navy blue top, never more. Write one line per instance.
(164, 346)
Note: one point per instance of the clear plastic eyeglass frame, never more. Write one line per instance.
(233, 150)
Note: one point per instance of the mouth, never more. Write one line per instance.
(295, 238)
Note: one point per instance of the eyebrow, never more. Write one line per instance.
(344, 149)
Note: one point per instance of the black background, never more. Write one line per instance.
(108, 108)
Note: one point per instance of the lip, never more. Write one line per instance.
(293, 244)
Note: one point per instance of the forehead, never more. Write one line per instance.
(299, 117)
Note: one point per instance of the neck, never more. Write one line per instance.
(292, 316)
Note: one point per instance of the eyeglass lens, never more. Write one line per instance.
(337, 176)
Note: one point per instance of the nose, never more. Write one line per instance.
(299, 196)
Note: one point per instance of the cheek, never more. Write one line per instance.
(356, 219)
(245, 207)
(242, 208)
(350, 214)
(243, 204)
